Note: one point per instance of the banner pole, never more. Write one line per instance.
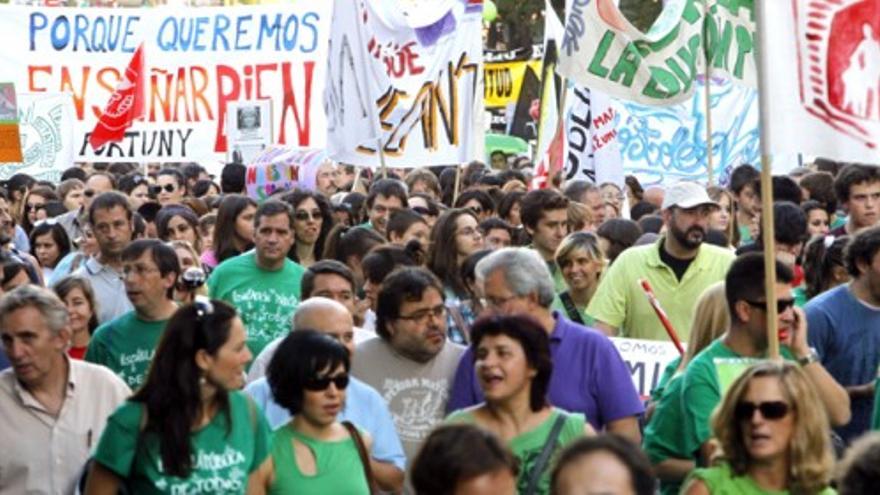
(382, 158)
(457, 185)
(767, 223)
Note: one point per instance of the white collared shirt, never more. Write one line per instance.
(42, 453)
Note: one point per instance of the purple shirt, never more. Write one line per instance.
(589, 376)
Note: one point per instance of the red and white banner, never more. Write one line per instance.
(821, 78)
(125, 106)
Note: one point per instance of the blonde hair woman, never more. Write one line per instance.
(771, 436)
(724, 218)
(581, 262)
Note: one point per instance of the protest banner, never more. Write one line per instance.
(664, 145)
(404, 77)
(46, 122)
(504, 81)
(828, 104)
(10, 139)
(602, 50)
(280, 169)
(646, 360)
(197, 61)
(591, 151)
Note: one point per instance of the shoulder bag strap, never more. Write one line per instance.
(572, 312)
(543, 459)
(362, 452)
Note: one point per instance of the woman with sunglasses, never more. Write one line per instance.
(455, 236)
(772, 437)
(314, 453)
(312, 221)
(188, 429)
(513, 366)
(35, 199)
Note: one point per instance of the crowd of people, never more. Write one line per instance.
(435, 331)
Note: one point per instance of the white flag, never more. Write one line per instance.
(822, 87)
(591, 151)
(404, 75)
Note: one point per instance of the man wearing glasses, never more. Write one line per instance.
(708, 375)
(127, 343)
(411, 364)
(589, 376)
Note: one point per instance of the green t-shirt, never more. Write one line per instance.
(222, 455)
(720, 480)
(265, 300)
(667, 375)
(126, 346)
(527, 447)
(706, 378)
(620, 300)
(875, 417)
(339, 467)
(745, 235)
(800, 296)
(662, 438)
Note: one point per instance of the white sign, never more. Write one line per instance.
(406, 77)
(828, 103)
(248, 129)
(646, 360)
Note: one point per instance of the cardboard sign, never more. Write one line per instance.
(249, 129)
(646, 360)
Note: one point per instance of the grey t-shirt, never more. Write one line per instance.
(415, 392)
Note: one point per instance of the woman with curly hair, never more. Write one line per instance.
(771, 437)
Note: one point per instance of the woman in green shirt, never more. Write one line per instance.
(187, 429)
(581, 261)
(314, 453)
(772, 437)
(513, 366)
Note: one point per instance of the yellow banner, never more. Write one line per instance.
(503, 81)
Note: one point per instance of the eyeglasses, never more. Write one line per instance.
(496, 302)
(138, 270)
(303, 215)
(318, 384)
(423, 315)
(772, 410)
(781, 305)
(169, 188)
(88, 193)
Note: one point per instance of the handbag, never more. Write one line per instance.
(363, 454)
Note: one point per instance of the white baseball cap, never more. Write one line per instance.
(686, 195)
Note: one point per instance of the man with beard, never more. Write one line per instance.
(679, 266)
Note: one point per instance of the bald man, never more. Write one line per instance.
(363, 405)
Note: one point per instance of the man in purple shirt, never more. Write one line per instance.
(589, 376)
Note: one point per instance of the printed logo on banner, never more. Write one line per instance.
(839, 64)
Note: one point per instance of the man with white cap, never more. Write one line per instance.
(679, 266)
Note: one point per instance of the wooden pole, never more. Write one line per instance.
(457, 184)
(710, 165)
(767, 224)
(382, 158)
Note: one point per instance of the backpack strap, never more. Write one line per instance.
(544, 458)
(362, 453)
(570, 310)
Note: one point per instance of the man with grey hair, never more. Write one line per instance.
(585, 192)
(363, 405)
(589, 376)
(52, 408)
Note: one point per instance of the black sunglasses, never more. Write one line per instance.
(88, 193)
(781, 305)
(318, 384)
(303, 215)
(772, 410)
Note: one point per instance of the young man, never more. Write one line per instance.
(748, 203)
(126, 344)
(679, 267)
(53, 408)
(544, 214)
(844, 324)
(858, 190)
(412, 365)
(589, 376)
(264, 285)
(110, 217)
(713, 370)
(386, 196)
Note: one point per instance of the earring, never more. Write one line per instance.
(203, 381)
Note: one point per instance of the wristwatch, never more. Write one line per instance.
(811, 357)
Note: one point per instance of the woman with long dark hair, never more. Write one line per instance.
(188, 428)
(312, 221)
(179, 223)
(49, 245)
(455, 236)
(234, 230)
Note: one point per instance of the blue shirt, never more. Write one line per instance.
(363, 406)
(589, 376)
(846, 334)
(4, 361)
